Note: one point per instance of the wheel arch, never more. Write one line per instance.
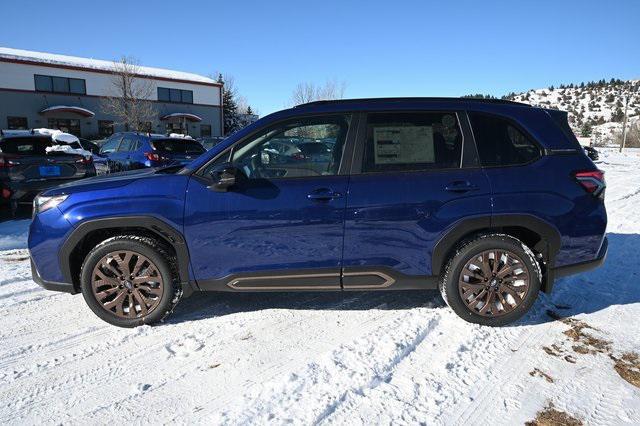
(86, 235)
(539, 235)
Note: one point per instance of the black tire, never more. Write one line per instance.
(471, 249)
(155, 253)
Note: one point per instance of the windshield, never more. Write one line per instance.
(178, 146)
(25, 146)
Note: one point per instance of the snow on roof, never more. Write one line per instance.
(79, 110)
(187, 115)
(56, 135)
(95, 64)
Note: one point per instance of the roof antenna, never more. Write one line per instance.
(33, 132)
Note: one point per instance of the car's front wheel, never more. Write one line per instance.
(492, 279)
(129, 280)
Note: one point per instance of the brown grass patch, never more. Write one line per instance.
(628, 367)
(587, 344)
(537, 372)
(550, 416)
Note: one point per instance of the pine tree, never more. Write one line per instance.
(249, 110)
(229, 109)
(586, 129)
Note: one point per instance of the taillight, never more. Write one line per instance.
(152, 156)
(6, 193)
(5, 162)
(592, 181)
(85, 160)
(298, 156)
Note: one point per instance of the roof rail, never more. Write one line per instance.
(414, 99)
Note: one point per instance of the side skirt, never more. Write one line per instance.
(329, 279)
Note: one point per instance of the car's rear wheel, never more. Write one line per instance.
(493, 279)
(129, 281)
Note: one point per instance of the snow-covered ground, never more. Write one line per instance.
(395, 357)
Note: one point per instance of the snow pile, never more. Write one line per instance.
(74, 61)
(330, 358)
(179, 135)
(66, 149)
(58, 135)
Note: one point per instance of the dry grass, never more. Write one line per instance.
(628, 367)
(537, 372)
(550, 416)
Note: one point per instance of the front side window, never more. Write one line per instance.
(111, 145)
(412, 141)
(500, 143)
(306, 148)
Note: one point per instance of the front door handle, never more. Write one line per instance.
(461, 186)
(323, 194)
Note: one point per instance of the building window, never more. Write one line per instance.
(17, 123)
(105, 128)
(145, 127)
(175, 95)
(205, 130)
(68, 125)
(46, 83)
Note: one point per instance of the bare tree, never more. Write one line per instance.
(309, 92)
(129, 101)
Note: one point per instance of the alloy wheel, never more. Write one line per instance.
(127, 284)
(493, 283)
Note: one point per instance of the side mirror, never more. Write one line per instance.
(224, 176)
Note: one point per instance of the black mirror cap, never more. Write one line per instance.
(224, 176)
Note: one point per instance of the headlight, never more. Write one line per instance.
(41, 203)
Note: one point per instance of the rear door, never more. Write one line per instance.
(122, 156)
(415, 175)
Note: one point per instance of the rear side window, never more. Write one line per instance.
(412, 141)
(128, 144)
(500, 143)
(25, 146)
(180, 146)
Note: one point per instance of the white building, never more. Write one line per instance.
(65, 92)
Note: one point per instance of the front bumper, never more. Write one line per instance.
(50, 285)
(578, 268)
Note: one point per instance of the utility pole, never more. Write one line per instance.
(624, 123)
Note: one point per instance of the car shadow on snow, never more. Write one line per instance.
(615, 283)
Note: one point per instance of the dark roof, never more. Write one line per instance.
(412, 99)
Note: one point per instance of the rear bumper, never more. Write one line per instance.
(50, 285)
(577, 268)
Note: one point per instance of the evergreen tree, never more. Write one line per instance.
(229, 109)
(617, 115)
(586, 129)
(249, 110)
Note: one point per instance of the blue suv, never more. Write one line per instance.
(487, 201)
(133, 150)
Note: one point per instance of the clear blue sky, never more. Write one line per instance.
(390, 48)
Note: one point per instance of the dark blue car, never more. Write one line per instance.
(487, 201)
(133, 150)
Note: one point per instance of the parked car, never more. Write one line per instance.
(591, 152)
(28, 164)
(132, 150)
(488, 201)
(209, 142)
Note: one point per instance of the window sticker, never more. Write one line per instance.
(402, 145)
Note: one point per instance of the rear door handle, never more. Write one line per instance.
(461, 186)
(323, 194)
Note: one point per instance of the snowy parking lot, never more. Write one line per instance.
(356, 358)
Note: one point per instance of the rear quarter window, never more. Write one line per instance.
(178, 146)
(500, 142)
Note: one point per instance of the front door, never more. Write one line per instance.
(281, 227)
(413, 179)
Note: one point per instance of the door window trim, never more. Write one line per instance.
(345, 161)
(361, 142)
